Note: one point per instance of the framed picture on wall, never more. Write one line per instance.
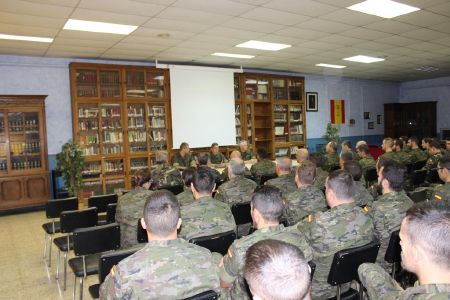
(370, 125)
(379, 119)
(312, 101)
(366, 115)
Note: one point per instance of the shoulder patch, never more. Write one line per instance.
(230, 253)
(113, 271)
(366, 209)
(438, 197)
(310, 218)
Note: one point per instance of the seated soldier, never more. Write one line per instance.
(285, 180)
(206, 216)
(442, 192)
(264, 166)
(402, 156)
(162, 174)
(266, 209)
(203, 159)
(388, 148)
(277, 270)
(130, 206)
(238, 189)
(347, 147)
(321, 175)
(301, 155)
(183, 158)
(167, 267)
(425, 251)
(416, 154)
(426, 145)
(234, 154)
(447, 146)
(331, 157)
(390, 208)
(246, 154)
(366, 162)
(216, 159)
(343, 158)
(362, 195)
(435, 155)
(343, 226)
(307, 199)
(186, 196)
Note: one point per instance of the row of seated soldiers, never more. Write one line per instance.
(319, 225)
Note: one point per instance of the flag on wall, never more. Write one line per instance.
(337, 110)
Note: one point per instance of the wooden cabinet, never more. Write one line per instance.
(121, 116)
(270, 112)
(23, 152)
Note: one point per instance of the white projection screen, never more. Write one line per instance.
(202, 101)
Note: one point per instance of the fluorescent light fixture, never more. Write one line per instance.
(26, 38)
(233, 55)
(102, 27)
(263, 45)
(383, 8)
(364, 59)
(331, 66)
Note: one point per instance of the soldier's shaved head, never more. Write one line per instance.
(306, 172)
(237, 166)
(268, 201)
(235, 154)
(161, 213)
(341, 183)
(284, 165)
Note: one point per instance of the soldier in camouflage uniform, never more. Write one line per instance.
(186, 196)
(239, 189)
(216, 159)
(267, 207)
(285, 181)
(163, 174)
(362, 195)
(331, 157)
(130, 206)
(390, 208)
(246, 154)
(307, 199)
(447, 146)
(183, 158)
(347, 147)
(203, 159)
(167, 267)
(435, 155)
(301, 155)
(425, 252)
(366, 162)
(343, 158)
(343, 226)
(264, 166)
(442, 192)
(206, 216)
(234, 154)
(402, 156)
(321, 174)
(388, 148)
(415, 152)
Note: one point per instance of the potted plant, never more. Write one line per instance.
(70, 162)
(332, 133)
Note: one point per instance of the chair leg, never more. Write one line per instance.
(81, 288)
(65, 270)
(50, 251)
(338, 294)
(44, 255)
(57, 264)
(74, 286)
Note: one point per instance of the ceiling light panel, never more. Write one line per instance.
(26, 38)
(233, 55)
(101, 27)
(364, 59)
(263, 45)
(383, 8)
(330, 66)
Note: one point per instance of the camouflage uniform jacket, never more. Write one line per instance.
(213, 171)
(367, 163)
(231, 268)
(387, 213)
(380, 285)
(404, 157)
(304, 201)
(186, 161)
(263, 167)
(331, 161)
(362, 196)
(341, 227)
(389, 155)
(164, 175)
(432, 162)
(173, 269)
(321, 176)
(286, 183)
(247, 155)
(218, 158)
(186, 196)
(129, 210)
(442, 192)
(417, 155)
(206, 216)
(224, 174)
(237, 190)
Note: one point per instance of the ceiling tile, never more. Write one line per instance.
(22, 51)
(103, 16)
(374, 46)
(85, 35)
(397, 40)
(275, 38)
(274, 16)
(367, 34)
(85, 43)
(252, 25)
(351, 17)
(423, 3)
(69, 3)
(422, 18)
(150, 32)
(233, 33)
(27, 20)
(140, 47)
(317, 45)
(28, 30)
(425, 46)
(72, 54)
(443, 27)
(122, 7)
(402, 51)
(150, 40)
(340, 40)
(189, 15)
(35, 9)
(23, 44)
(441, 9)
(324, 26)
(134, 52)
(225, 7)
(71, 48)
(300, 33)
(211, 39)
(391, 26)
(424, 34)
(177, 25)
(304, 7)
(444, 41)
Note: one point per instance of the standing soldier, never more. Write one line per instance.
(162, 174)
(285, 179)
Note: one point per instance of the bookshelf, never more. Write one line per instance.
(121, 116)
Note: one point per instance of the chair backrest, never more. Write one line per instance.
(393, 251)
(346, 262)
(266, 177)
(108, 260)
(370, 175)
(241, 213)
(216, 243)
(141, 233)
(111, 212)
(418, 196)
(433, 176)
(96, 239)
(73, 219)
(312, 265)
(175, 189)
(102, 201)
(418, 177)
(207, 295)
(419, 165)
(53, 208)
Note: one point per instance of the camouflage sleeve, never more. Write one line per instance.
(219, 196)
(378, 282)
(379, 223)
(229, 266)
(304, 227)
(111, 287)
(224, 159)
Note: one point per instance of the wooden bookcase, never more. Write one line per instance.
(121, 116)
(270, 112)
(23, 152)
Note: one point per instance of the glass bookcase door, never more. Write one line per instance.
(279, 89)
(113, 167)
(256, 89)
(296, 123)
(135, 84)
(158, 126)
(295, 89)
(113, 186)
(249, 122)
(88, 129)
(112, 132)
(237, 88)
(92, 169)
(138, 163)
(3, 145)
(137, 131)
(86, 83)
(237, 117)
(155, 85)
(281, 123)
(109, 84)
(92, 187)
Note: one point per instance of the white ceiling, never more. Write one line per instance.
(320, 31)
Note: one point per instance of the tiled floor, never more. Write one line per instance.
(23, 273)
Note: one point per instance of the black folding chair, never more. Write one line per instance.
(393, 251)
(71, 220)
(101, 202)
(105, 263)
(53, 208)
(88, 243)
(371, 176)
(433, 176)
(175, 189)
(419, 195)
(418, 178)
(111, 213)
(241, 213)
(141, 233)
(207, 295)
(266, 177)
(216, 243)
(344, 268)
(419, 165)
